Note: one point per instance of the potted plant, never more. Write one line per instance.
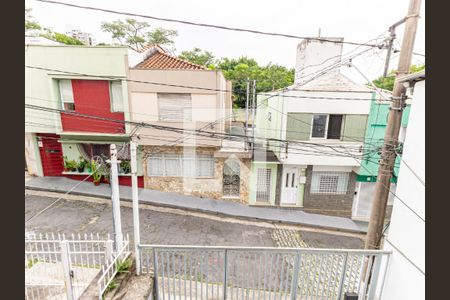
(88, 166)
(96, 173)
(125, 166)
(66, 164)
(81, 164)
(73, 165)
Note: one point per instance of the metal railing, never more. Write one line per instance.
(259, 273)
(59, 266)
(110, 270)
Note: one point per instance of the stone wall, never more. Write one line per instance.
(335, 205)
(210, 187)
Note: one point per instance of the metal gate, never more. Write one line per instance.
(62, 267)
(188, 272)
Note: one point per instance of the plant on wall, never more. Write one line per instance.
(125, 166)
(81, 164)
(96, 172)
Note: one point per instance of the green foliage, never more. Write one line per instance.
(199, 57)
(31, 262)
(70, 164)
(387, 83)
(29, 23)
(136, 34)
(161, 36)
(268, 78)
(81, 164)
(112, 285)
(61, 38)
(124, 266)
(96, 172)
(125, 166)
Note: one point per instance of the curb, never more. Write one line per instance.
(205, 211)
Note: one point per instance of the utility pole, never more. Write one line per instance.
(134, 188)
(253, 115)
(388, 154)
(246, 112)
(115, 197)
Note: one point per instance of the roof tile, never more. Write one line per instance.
(162, 60)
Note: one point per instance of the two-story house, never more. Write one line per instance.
(373, 142)
(67, 86)
(314, 135)
(187, 100)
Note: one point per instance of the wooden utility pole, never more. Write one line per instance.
(390, 145)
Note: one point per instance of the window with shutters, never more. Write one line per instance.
(179, 165)
(329, 182)
(66, 94)
(116, 96)
(174, 107)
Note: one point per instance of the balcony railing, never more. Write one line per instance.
(181, 272)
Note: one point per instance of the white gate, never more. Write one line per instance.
(61, 267)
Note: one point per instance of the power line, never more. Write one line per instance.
(207, 134)
(203, 24)
(188, 86)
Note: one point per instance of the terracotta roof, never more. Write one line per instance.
(148, 47)
(160, 59)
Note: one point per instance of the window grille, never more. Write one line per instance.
(263, 184)
(174, 107)
(179, 165)
(329, 182)
(231, 179)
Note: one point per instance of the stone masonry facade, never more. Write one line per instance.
(335, 205)
(203, 187)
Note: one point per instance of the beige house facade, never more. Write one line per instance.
(187, 109)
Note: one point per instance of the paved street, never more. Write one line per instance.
(163, 227)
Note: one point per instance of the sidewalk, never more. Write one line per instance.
(210, 206)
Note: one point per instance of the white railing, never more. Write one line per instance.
(59, 266)
(110, 270)
(255, 273)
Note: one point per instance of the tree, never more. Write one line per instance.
(29, 23)
(61, 38)
(136, 34)
(162, 36)
(387, 82)
(199, 57)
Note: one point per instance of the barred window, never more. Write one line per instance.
(263, 184)
(329, 182)
(179, 165)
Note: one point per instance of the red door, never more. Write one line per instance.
(51, 154)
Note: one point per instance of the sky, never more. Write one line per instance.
(355, 20)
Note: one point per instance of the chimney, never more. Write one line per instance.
(315, 55)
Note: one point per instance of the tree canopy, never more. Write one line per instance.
(46, 32)
(199, 57)
(387, 82)
(268, 78)
(137, 34)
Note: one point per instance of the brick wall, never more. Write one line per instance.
(336, 205)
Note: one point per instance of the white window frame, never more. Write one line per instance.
(181, 158)
(111, 97)
(61, 94)
(341, 189)
(326, 127)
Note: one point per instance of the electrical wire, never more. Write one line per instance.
(202, 24)
(188, 86)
